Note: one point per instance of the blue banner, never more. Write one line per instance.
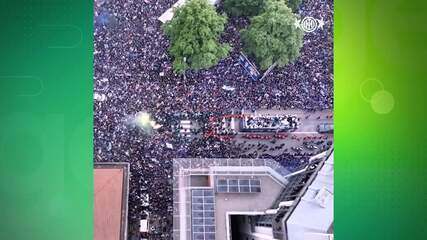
(249, 67)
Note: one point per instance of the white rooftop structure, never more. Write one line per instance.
(209, 192)
(222, 198)
(313, 216)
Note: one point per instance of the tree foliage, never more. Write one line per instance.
(253, 7)
(243, 7)
(272, 37)
(194, 35)
(294, 4)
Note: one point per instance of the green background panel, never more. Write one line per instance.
(46, 186)
(380, 109)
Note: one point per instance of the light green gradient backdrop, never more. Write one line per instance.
(380, 167)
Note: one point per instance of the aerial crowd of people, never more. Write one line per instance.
(133, 73)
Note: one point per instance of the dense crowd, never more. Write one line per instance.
(133, 73)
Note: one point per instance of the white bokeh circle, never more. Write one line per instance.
(382, 102)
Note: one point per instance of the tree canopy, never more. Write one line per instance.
(243, 7)
(294, 4)
(194, 35)
(272, 36)
(253, 7)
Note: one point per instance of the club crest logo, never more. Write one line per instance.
(309, 24)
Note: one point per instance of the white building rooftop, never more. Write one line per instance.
(313, 217)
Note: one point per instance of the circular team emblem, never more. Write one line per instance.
(309, 24)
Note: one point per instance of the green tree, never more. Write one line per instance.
(194, 35)
(272, 37)
(253, 7)
(243, 7)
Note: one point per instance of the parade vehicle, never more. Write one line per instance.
(268, 123)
